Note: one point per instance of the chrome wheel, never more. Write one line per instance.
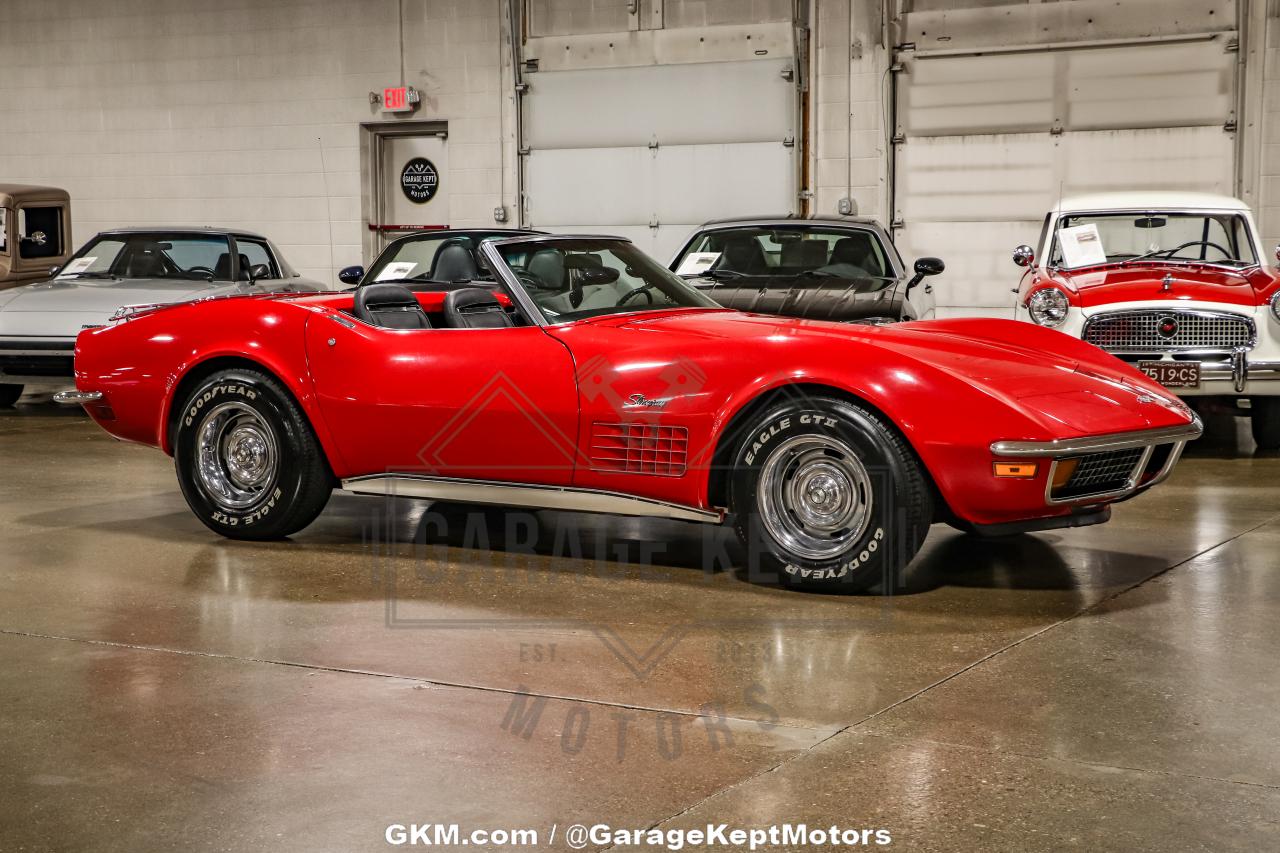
(237, 460)
(815, 496)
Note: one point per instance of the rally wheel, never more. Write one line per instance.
(248, 462)
(827, 496)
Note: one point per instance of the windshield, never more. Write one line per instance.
(1089, 239)
(571, 279)
(180, 257)
(440, 257)
(786, 250)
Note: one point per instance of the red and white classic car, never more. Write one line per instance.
(576, 373)
(1176, 284)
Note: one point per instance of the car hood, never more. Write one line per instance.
(61, 308)
(1144, 282)
(1058, 380)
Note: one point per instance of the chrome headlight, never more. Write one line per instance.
(1275, 305)
(1048, 307)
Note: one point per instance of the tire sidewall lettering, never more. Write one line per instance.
(216, 392)
(839, 571)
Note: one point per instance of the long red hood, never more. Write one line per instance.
(1143, 282)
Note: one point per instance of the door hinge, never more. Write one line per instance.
(522, 88)
(653, 221)
(1230, 125)
(898, 139)
(789, 140)
(805, 194)
(898, 223)
(530, 65)
(653, 143)
(788, 74)
(1232, 45)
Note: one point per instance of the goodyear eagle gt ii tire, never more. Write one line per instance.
(9, 395)
(248, 462)
(826, 496)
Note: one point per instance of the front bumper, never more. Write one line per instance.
(1115, 467)
(37, 362)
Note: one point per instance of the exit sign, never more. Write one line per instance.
(399, 99)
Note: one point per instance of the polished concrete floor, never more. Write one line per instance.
(1109, 688)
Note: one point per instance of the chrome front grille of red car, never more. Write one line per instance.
(1158, 331)
(1100, 473)
(638, 448)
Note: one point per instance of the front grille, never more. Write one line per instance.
(1141, 331)
(635, 448)
(37, 365)
(1100, 473)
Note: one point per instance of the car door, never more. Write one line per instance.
(487, 404)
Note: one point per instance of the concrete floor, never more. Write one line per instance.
(1110, 688)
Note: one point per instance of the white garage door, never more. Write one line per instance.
(987, 143)
(651, 152)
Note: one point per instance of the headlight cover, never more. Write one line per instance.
(1048, 307)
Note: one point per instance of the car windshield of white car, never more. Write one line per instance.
(786, 251)
(175, 257)
(570, 279)
(1089, 239)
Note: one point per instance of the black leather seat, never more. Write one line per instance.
(222, 269)
(390, 306)
(744, 255)
(805, 254)
(454, 262)
(145, 261)
(474, 308)
(547, 265)
(856, 251)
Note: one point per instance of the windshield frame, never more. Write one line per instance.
(492, 251)
(898, 267)
(480, 235)
(1057, 218)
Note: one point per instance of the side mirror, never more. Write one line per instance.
(351, 275)
(258, 271)
(930, 266)
(1024, 255)
(1278, 253)
(53, 270)
(924, 267)
(597, 275)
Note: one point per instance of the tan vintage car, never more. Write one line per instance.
(35, 232)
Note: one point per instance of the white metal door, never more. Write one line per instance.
(988, 143)
(413, 185)
(651, 152)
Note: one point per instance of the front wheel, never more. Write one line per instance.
(1265, 420)
(827, 496)
(9, 395)
(248, 462)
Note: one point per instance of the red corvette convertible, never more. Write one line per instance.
(576, 373)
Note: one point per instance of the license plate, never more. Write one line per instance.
(1173, 374)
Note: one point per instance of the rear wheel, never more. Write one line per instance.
(1266, 422)
(9, 395)
(248, 463)
(827, 496)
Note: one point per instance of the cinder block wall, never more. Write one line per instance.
(199, 112)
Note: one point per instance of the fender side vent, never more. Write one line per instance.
(636, 448)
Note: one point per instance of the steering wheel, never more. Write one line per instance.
(646, 289)
(532, 281)
(204, 270)
(1169, 253)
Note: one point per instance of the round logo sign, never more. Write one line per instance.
(1168, 327)
(419, 180)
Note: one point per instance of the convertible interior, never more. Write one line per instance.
(394, 306)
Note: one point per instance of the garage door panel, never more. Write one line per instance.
(1196, 159)
(700, 182)
(598, 185)
(975, 178)
(606, 107)
(979, 270)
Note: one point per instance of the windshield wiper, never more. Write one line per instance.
(722, 274)
(89, 275)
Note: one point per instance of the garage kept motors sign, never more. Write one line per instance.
(419, 180)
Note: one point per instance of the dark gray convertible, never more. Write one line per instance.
(824, 269)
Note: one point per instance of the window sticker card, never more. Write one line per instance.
(78, 265)
(1081, 246)
(400, 269)
(696, 263)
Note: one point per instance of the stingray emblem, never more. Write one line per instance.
(643, 402)
(1167, 327)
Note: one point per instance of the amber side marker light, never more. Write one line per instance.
(1062, 474)
(1016, 470)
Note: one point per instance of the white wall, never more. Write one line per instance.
(215, 111)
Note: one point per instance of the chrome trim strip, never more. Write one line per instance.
(566, 498)
(51, 353)
(77, 398)
(1130, 483)
(1163, 473)
(498, 264)
(1099, 443)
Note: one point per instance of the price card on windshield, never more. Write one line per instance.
(696, 263)
(1081, 246)
(400, 269)
(77, 266)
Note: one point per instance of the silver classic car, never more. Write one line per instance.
(115, 271)
(844, 269)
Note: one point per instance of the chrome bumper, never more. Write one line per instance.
(77, 398)
(1065, 448)
(1240, 370)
